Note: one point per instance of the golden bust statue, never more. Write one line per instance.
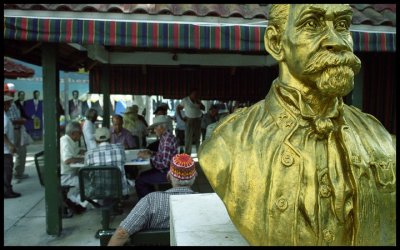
(301, 167)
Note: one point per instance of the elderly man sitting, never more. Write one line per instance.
(121, 135)
(152, 212)
(160, 160)
(70, 153)
(106, 154)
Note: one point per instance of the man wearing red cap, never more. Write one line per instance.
(152, 212)
(19, 130)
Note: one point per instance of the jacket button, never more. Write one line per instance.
(327, 235)
(282, 204)
(287, 159)
(325, 191)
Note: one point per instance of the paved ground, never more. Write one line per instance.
(25, 217)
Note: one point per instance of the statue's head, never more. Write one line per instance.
(313, 46)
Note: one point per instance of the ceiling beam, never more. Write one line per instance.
(98, 53)
(31, 48)
(167, 58)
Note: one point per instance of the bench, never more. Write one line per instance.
(155, 237)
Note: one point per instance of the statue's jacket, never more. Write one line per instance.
(255, 169)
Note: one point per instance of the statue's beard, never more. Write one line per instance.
(336, 81)
(336, 72)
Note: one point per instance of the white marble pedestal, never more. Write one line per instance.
(201, 220)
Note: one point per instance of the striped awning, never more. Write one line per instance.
(239, 38)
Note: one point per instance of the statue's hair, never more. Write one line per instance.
(278, 16)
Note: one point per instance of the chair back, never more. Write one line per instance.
(153, 237)
(39, 164)
(100, 182)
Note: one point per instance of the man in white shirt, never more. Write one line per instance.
(70, 153)
(89, 129)
(193, 111)
(20, 142)
(9, 150)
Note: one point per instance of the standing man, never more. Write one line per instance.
(18, 122)
(9, 150)
(89, 128)
(20, 104)
(180, 130)
(34, 110)
(75, 106)
(193, 111)
(301, 167)
(160, 160)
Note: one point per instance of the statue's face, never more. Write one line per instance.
(319, 49)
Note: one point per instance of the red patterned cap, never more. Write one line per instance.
(9, 87)
(182, 167)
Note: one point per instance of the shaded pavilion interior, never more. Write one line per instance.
(222, 68)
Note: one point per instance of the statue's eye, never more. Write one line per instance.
(311, 23)
(342, 25)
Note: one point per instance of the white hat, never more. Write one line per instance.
(102, 134)
(8, 98)
(159, 119)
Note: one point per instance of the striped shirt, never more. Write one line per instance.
(107, 154)
(167, 148)
(14, 114)
(152, 211)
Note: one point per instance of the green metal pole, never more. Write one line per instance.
(51, 140)
(105, 90)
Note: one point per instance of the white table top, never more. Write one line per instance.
(132, 159)
(201, 220)
(77, 165)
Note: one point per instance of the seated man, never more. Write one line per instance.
(152, 212)
(162, 109)
(207, 119)
(159, 160)
(70, 153)
(121, 135)
(106, 154)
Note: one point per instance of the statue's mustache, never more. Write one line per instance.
(325, 59)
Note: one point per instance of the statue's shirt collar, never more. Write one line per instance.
(297, 104)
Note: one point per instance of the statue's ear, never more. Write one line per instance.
(272, 42)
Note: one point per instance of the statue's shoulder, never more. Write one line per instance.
(237, 119)
(355, 113)
(366, 124)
